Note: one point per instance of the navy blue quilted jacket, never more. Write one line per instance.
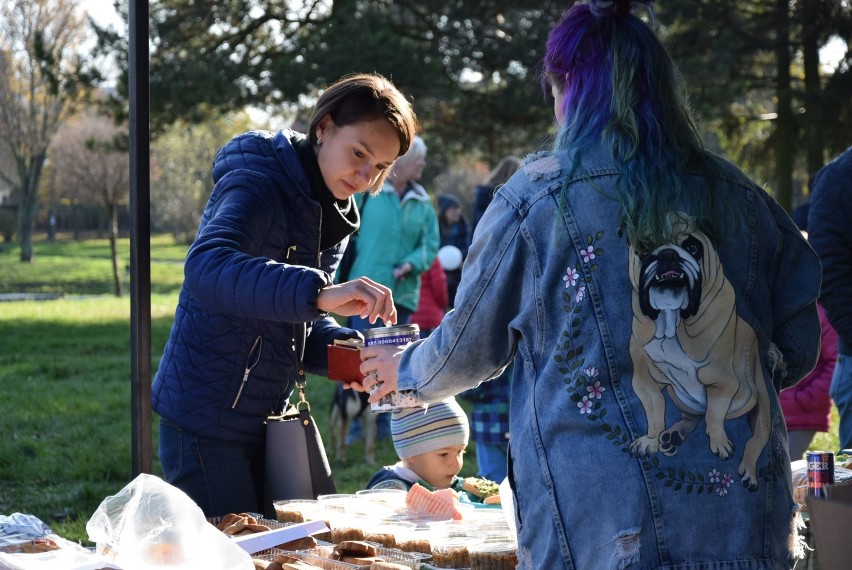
(246, 325)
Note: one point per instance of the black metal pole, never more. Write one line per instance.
(140, 241)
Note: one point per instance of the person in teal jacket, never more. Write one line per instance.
(399, 237)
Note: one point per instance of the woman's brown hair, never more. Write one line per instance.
(365, 97)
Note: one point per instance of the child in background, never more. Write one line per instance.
(454, 230)
(807, 405)
(433, 299)
(430, 445)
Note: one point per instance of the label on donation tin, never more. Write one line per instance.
(820, 471)
(394, 336)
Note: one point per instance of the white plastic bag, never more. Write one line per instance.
(22, 538)
(151, 524)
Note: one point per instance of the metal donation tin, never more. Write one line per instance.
(820, 472)
(394, 336)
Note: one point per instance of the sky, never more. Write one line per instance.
(102, 11)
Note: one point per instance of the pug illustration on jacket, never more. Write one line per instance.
(688, 340)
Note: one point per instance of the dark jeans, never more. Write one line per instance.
(220, 477)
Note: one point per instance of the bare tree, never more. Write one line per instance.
(38, 84)
(181, 177)
(92, 166)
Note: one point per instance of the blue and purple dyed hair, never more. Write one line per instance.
(622, 90)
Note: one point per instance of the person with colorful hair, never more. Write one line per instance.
(653, 300)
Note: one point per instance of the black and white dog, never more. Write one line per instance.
(346, 405)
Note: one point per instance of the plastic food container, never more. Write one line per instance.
(310, 558)
(388, 533)
(341, 500)
(451, 553)
(296, 510)
(493, 555)
(452, 530)
(303, 510)
(393, 498)
(324, 551)
(414, 538)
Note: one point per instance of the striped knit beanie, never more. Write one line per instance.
(416, 431)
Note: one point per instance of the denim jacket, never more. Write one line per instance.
(646, 427)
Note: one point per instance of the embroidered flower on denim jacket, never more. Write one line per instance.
(585, 405)
(581, 292)
(588, 253)
(595, 390)
(726, 481)
(592, 372)
(570, 277)
(714, 476)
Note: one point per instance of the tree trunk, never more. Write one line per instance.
(113, 246)
(30, 176)
(76, 216)
(784, 127)
(814, 128)
(26, 217)
(51, 222)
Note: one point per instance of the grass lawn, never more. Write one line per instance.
(65, 410)
(65, 432)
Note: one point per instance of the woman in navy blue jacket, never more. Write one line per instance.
(252, 316)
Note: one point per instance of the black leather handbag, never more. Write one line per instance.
(296, 463)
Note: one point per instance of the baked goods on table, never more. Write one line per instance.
(443, 503)
(493, 555)
(433, 528)
(242, 523)
(283, 562)
(485, 489)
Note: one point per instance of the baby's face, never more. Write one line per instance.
(439, 467)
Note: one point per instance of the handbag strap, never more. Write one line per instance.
(321, 477)
(303, 402)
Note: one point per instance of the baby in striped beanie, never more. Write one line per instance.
(430, 444)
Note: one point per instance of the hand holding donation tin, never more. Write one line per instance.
(379, 366)
(380, 363)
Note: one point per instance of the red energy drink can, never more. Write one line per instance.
(820, 472)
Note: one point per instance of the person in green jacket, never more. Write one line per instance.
(397, 242)
(399, 236)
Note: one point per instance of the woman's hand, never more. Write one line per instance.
(402, 271)
(380, 366)
(363, 297)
